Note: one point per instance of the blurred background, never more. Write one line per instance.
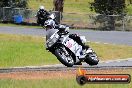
(88, 14)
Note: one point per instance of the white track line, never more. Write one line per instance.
(117, 60)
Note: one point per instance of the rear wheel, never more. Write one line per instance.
(92, 58)
(64, 56)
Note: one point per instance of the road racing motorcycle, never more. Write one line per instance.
(67, 50)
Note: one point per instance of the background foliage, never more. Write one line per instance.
(13, 3)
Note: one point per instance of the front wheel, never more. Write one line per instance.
(92, 58)
(64, 56)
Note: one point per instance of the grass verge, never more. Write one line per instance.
(23, 50)
(19, 25)
(19, 50)
(60, 82)
(55, 83)
(74, 6)
(112, 52)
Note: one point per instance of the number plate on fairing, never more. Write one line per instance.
(73, 46)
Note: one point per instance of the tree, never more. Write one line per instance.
(58, 5)
(13, 3)
(109, 8)
(4, 3)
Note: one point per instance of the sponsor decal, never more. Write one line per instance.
(69, 45)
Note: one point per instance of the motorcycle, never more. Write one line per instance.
(41, 19)
(67, 50)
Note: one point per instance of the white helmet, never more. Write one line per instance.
(41, 7)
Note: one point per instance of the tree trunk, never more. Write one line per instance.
(112, 23)
(58, 5)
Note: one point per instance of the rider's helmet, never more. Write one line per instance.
(41, 8)
(49, 24)
(64, 28)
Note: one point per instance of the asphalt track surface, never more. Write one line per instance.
(112, 37)
(107, 65)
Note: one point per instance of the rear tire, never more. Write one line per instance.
(64, 57)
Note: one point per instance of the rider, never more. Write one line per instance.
(78, 40)
(53, 26)
(50, 26)
(42, 15)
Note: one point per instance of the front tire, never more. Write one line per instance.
(92, 58)
(64, 56)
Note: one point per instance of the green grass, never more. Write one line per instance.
(55, 83)
(23, 50)
(18, 50)
(112, 52)
(74, 6)
(60, 82)
(80, 7)
(18, 25)
(129, 9)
